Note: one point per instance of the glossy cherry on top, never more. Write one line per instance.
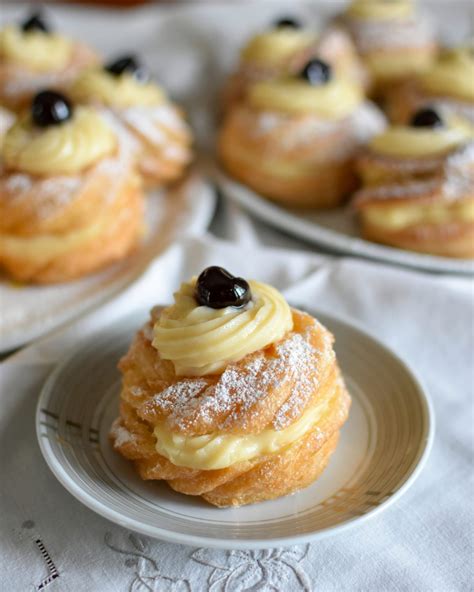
(317, 72)
(50, 108)
(426, 118)
(289, 22)
(217, 288)
(35, 23)
(129, 64)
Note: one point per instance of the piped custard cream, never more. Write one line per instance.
(202, 340)
(273, 47)
(99, 86)
(35, 50)
(381, 9)
(334, 100)
(452, 75)
(412, 142)
(61, 149)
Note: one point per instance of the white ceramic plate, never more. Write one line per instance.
(382, 449)
(335, 230)
(34, 310)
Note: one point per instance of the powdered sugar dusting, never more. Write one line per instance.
(120, 434)
(241, 388)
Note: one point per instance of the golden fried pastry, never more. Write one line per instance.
(230, 394)
(284, 49)
(150, 125)
(294, 139)
(393, 40)
(419, 187)
(448, 86)
(70, 201)
(32, 58)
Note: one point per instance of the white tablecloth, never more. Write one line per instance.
(423, 543)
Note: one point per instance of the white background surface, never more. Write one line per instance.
(424, 543)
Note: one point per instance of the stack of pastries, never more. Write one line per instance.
(298, 127)
(79, 142)
(230, 394)
(418, 189)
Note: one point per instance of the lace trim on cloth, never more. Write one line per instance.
(269, 570)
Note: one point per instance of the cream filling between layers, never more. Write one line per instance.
(407, 141)
(220, 450)
(399, 217)
(200, 340)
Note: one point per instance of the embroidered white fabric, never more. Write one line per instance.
(48, 540)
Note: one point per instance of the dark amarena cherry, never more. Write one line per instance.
(317, 72)
(50, 108)
(289, 22)
(217, 288)
(35, 23)
(129, 64)
(426, 118)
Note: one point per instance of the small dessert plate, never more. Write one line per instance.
(335, 230)
(382, 449)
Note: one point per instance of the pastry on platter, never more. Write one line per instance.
(393, 39)
(230, 394)
(448, 86)
(151, 125)
(419, 187)
(284, 49)
(70, 202)
(33, 57)
(294, 138)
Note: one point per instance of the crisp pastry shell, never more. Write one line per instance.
(257, 479)
(121, 229)
(317, 173)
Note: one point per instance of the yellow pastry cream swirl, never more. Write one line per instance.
(35, 50)
(380, 9)
(65, 148)
(200, 340)
(221, 450)
(273, 47)
(452, 75)
(412, 142)
(96, 85)
(334, 100)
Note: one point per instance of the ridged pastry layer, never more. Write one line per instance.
(57, 229)
(18, 84)
(268, 390)
(423, 205)
(299, 160)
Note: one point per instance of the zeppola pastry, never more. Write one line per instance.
(230, 394)
(419, 186)
(448, 86)
(151, 126)
(70, 202)
(284, 49)
(394, 41)
(294, 138)
(32, 58)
